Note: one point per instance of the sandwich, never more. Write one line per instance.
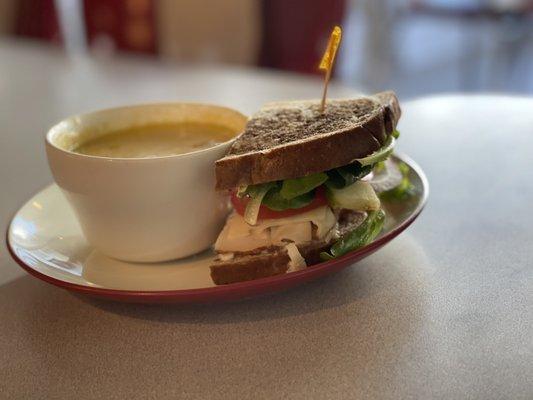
(305, 185)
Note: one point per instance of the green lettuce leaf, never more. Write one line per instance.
(347, 175)
(292, 188)
(378, 167)
(359, 237)
(380, 155)
(404, 190)
(274, 200)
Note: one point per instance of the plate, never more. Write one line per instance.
(45, 239)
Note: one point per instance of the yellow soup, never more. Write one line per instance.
(156, 140)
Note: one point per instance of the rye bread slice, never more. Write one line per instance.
(292, 139)
(264, 262)
(246, 267)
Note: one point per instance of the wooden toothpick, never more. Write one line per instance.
(328, 60)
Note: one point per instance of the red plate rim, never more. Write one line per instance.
(240, 289)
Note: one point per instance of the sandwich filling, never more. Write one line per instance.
(334, 212)
(239, 236)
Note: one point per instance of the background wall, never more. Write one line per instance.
(415, 47)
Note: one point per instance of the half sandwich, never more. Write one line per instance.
(304, 185)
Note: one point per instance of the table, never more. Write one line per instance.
(444, 311)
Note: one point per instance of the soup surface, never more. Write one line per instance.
(156, 140)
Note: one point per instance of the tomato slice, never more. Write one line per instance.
(240, 203)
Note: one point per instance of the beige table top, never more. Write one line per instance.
(444, 311)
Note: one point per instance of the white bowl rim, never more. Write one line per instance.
(51, 144)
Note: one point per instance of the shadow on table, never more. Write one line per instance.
(396, 274)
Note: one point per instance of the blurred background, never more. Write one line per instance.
(415, 47)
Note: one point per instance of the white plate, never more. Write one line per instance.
(45, 239)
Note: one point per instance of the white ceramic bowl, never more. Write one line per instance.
(142, 209)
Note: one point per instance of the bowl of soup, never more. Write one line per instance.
(156, 140)
(140, 179)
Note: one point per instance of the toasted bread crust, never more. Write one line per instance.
(311, 154)
(391, 108)
(246, 268)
